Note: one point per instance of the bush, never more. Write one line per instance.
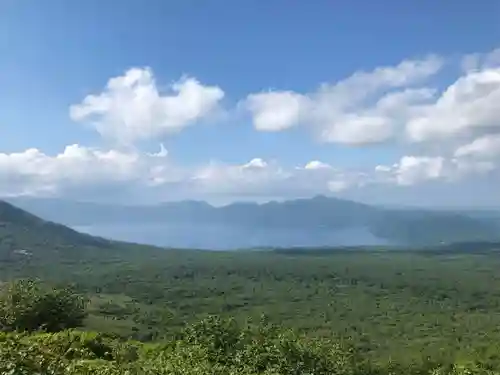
(76, 345)
(211, 347)
(16, 357)
(27, 305)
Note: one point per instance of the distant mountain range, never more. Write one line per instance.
(33, 247)
(318, 221)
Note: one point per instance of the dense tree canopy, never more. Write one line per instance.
(212, 346)
(27, 305)
(327, 311)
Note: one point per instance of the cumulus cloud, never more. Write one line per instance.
(316, 164)
(337, 186)
(256, 163)
(160, 154)
(477, 61)
(469, 106)
(276, 111)
(132, 108)
(80, 171)
(467, 167)
(398, 103)
(77, 168)
(253, 178)
(269, 178)
(356, 110)
(387, 103)
(464, 109)
(412, 170)
(487, 147)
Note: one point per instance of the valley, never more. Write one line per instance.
(405, 304)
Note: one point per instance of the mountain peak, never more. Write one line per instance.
(322, 197)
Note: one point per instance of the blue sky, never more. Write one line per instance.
(272, 91)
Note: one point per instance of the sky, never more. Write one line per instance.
(148, 101)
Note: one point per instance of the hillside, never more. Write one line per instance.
(28, 242)
(20, 229)
(388, 301)
(319, 221)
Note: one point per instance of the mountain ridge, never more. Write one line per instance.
(408, 227)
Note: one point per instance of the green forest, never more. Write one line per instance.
(71, 303)
(144, 310)
(196, 187)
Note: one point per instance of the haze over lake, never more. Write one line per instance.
(224, 237)
(308, 222)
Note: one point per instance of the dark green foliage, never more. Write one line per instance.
(26, 305)
(218, 347)
(399, 304)
(437, 304)
(18, 357)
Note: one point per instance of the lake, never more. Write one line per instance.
(223, 237)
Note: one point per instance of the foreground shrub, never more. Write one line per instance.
(75, 345)
(211, 347)
(18, 358)
(27, 305)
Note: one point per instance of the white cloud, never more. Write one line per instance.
(91, 173)
(337, 186)
(276, 111)
(163, 153)
(75, 169)
(466, 167)
(392, 103)
(256, 163)
(131, 107)
(81, 171)
(355, 129)
(252, 178)
(316, 164)
(478, 61)
(343, 112)
(413, 170)
(268, 178)
(387, 103)
(382, 168)
(487, 147)
(467, 107)
(410, 170)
